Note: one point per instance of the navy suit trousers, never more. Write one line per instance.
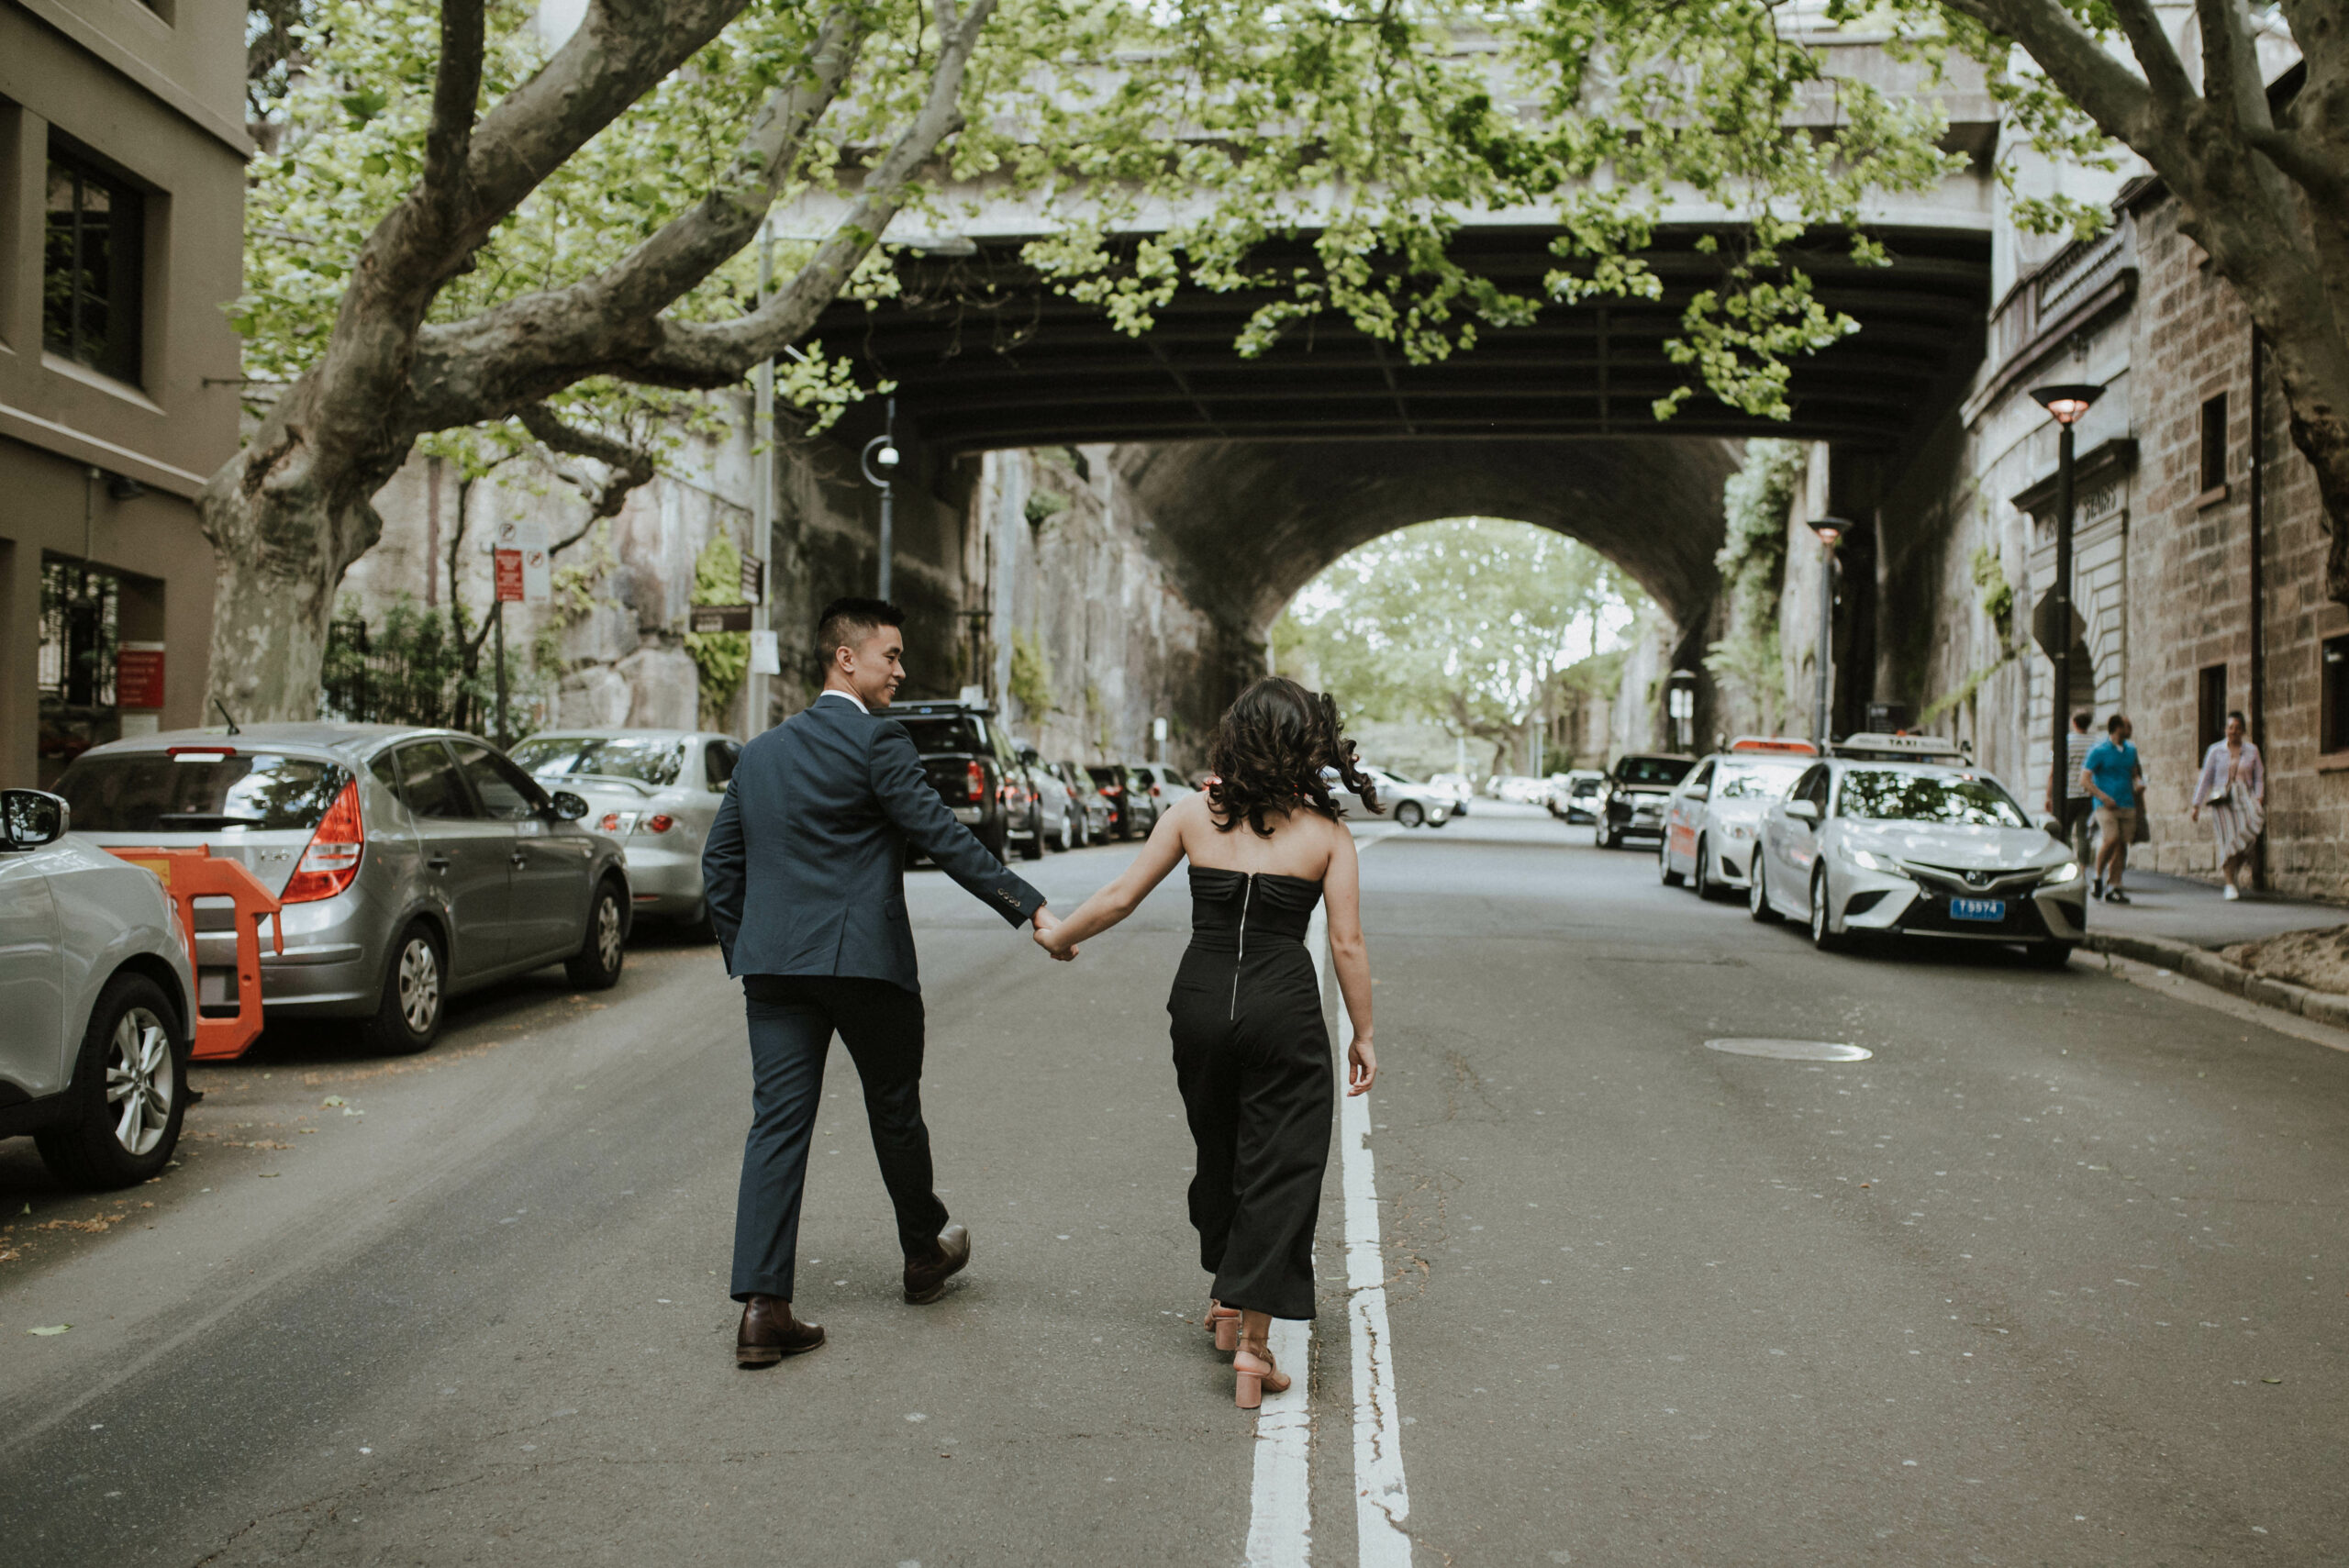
(792, 1021)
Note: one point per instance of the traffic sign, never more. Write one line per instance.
(2043, 625)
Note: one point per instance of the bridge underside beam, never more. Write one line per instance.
(984, 356)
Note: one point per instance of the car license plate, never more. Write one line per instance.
(1993, 909)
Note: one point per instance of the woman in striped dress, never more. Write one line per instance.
(2234, 786)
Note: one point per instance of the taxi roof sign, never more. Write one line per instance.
(1786, 745)
(1898, 747)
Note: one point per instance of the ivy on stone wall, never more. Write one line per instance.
(1752, 562)
(1031, 676)
(722, 657)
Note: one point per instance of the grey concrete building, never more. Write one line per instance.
(122, 154)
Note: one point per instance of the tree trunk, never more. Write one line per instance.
(284, 518)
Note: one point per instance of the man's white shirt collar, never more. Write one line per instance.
(845, 696)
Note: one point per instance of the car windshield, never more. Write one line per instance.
(1652, 770)
(935, 734)
(639, 757)
(198, 791)
(1959, 800)
(1755, 781)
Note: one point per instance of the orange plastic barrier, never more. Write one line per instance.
(192, 874)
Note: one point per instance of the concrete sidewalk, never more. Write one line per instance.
(2182, 909)
(2182, 925)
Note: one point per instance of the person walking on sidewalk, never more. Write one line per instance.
(2234, 786)
(805, 871)
(2111, 774)
(1266, 842)
(2071, 813)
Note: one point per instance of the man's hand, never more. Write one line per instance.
(1046, 925)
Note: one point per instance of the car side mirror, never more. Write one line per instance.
(568, 808)
(1804, 811)
(31, 817)
(1701, 793)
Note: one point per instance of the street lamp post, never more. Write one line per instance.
(881, 452)
(2067, 402)
(1831, 531)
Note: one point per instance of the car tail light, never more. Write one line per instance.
(978, 777)
(659, 822)
(1153, 789)
(328, 866)
(1110, 790)
(609, 824)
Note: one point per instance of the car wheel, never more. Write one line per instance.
(596, 965)
(1823, 935)
(1663, 871)
(1601, 836)
(1700, 876)
(1409, 815)
(408, 1019)
(2051, 955)
(1032, 848)
(1757, 894)
(996, 842)
(129, 1094)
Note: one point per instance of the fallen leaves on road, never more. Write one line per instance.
(97, 1225)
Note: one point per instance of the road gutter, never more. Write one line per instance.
(2170, 982)
(2211, 970)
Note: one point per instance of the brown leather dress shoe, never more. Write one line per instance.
(926, 1277)
(769, 1332)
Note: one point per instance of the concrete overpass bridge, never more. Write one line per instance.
(1258, 472)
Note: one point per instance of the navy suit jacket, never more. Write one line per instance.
(805, 867)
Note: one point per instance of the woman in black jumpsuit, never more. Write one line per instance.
(1251, 1051)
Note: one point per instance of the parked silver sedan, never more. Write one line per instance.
(99, 999)
(655, 791)
(413, 863)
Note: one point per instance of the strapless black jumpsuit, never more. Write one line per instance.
(1252, 1057)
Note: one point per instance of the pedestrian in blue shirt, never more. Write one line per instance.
(2113, 777)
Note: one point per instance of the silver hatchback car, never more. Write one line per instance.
(655, 791)
(413, 865)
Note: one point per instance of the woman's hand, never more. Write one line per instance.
(1362, 1066)
(1048, 936)
(2194, 814)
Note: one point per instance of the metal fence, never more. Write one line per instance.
(406, 682)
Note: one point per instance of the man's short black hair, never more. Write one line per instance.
(2112, 726)
(2082, 719)
(849, 621)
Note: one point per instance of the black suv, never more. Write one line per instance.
(1631, 800)
(969, 756)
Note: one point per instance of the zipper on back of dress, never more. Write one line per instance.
(1247, 891)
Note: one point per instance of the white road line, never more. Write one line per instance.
(1280, 1528)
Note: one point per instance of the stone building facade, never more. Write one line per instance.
(2199, 549)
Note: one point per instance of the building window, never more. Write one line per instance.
(74, 670)
(2332, 696)
(2209, 707)
(2214, 443)
(93, 266)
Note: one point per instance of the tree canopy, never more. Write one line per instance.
(1473, 623)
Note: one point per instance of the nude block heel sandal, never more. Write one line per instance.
(1224, 1323)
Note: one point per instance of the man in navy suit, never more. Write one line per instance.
(805, 869)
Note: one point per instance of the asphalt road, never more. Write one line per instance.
(2055, 1277)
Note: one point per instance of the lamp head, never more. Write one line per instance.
(1829, 530)
(2068, 400)
(885, 458)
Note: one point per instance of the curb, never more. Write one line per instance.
(2201, 963)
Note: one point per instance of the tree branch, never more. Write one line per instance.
(456, 94)
(2230, 83)
(629, 468)
(2325, 182)
(692, 355)
(2107, 91)
(2156, 56)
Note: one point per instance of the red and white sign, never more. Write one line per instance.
(524, 575)
(139, 675)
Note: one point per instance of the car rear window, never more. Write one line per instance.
(1652, 770)
(1958, 801)
(1755, 780)
(198, 791)
(937, 733)
(641, 757)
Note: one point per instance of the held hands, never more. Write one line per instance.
(1047, 937)
(1362, 1066)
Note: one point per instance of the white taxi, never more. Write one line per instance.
(1713, 820)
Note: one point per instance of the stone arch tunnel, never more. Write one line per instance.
(1253, 474)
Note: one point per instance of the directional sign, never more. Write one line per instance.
(754, 574)
(2043, 625)
(719, 617)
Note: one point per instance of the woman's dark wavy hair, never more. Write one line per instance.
(1268, 754)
